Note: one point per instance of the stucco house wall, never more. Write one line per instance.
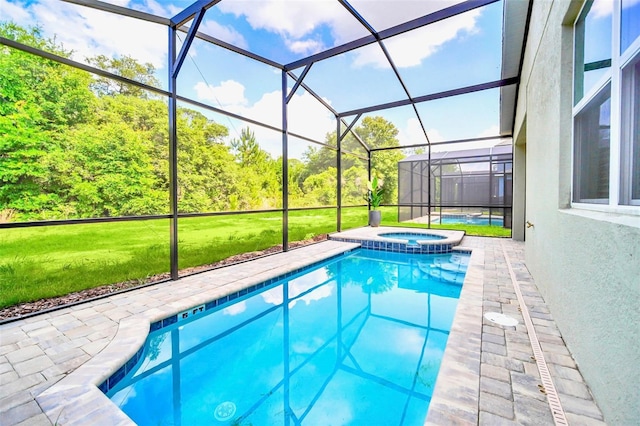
(585, 263)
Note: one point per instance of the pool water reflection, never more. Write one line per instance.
(358, 340)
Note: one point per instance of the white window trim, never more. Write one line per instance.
(615, 168)
(618, 62)
(619, 209)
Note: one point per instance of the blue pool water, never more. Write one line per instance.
(412, 238)
(356, 340)
(470, 221)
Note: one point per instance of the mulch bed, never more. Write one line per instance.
(23, 309)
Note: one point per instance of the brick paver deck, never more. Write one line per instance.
(488, 376)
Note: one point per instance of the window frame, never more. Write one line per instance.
(619, 166)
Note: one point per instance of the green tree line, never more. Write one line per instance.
(76, 145)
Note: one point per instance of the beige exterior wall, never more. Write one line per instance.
(519, 186)
(586, 264)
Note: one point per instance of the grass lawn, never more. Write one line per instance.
(48, 261)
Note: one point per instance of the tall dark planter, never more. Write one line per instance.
(375, 217)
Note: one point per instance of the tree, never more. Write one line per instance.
(23, 173)
(127, 67)
(354, 185)
(207, 173)
(58, 92)
(260, 186)
(107, 170)
(296, 173)
(76, 145)
(39, 98)
(376, 132)
(321, 189)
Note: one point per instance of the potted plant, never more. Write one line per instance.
(374, 198)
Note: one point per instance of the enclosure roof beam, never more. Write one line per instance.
(298, 82)
(348, 129)
(186, 45)
(247, 120)
(357, 136)
(433, 96)
(312, 93)
(432, 144)
(329, 107)
(191, 11)
(393, 31)
(119, 10)
(373, 32)
(358, 17)
(70, 62)
(235, 49)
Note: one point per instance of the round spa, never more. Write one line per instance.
(411, 238)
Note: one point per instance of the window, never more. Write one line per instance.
(606, 113)
(592, 149)
(630, 152)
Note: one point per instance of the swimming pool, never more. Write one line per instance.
(357, 339)
(471, 221)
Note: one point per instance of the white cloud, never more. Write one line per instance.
(602, 8)
(274, 296)
(13, 12)
(228, 95)
(298, 22)
(381, 16)
(305, 47)
(235, 309)
(268, 109)
(89, 32)
(406, 341)
(491, 131)
(307, 116)
(410, 49)
(155, 8)
(294, 19)
(411, 133)
(310, 118)
(223, 32)
(434, 135)
(318, 294)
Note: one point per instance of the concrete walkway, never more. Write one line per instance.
(500, 379)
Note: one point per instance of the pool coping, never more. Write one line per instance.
(371, 238)
(80, 389)
(457, 391)
(83, 398)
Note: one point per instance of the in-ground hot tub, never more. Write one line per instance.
(411, 238)
(403, 240)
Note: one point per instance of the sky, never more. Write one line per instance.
(456, 52)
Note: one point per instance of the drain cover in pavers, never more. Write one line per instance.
(501, 319)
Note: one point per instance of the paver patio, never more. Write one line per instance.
(489, 374)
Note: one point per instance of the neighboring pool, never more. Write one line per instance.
(355, 340)
(470, 221)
